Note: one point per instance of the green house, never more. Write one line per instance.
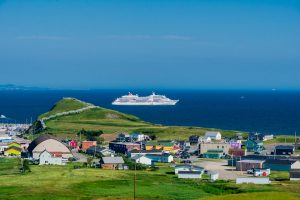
(254, 146)
(215, 153)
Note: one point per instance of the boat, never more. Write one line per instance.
(151, 100)
(2, 117)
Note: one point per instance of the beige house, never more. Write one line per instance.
(204, 147)
(50, 144)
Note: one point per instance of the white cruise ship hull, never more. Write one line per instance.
(172, 103)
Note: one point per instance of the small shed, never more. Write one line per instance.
(190, 174)
(295, 175)
(244, 165)
(214, 176)
(179, 168)
(254, 180)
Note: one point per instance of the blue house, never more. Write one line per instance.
(279, 165)
(254, 145)
(284, 150)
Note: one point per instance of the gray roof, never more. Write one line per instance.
(212, 133)
(189, 172)
(112, 160)
(39, 140)
(138, 157)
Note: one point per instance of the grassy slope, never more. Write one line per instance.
(64, 182)
(111, 121)
(63, 106)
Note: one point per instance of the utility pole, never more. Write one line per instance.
(295, 137)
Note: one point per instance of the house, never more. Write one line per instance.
(295, 175)
(204, 147)
(49, 143)
(102, 151)
(254, 145)
(253, 180)
(260, 136)
(166, 146)
(179, 168)
(214, 153)
(124, 147)
(280, 164)
(244, 165)
(190, 174)
(5, 139)
(15, 144)
(183, 144)
(53, 158)
(87, 144)
(135, 152)
(164, 158)
(194, 139)
(12, 151)
(142, 159)
(237, 152)
(284, 150)
(138, 137)
(213, 135)
(112, 163)
(73, 144)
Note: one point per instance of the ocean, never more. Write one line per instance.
(276, 112)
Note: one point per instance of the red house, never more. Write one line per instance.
(87, 144)
(73, 144)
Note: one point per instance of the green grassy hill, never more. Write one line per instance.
(108, 121)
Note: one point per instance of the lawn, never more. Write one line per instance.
(65, 182)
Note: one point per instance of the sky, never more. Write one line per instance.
(203, 44)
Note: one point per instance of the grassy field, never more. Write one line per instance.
(65, 182)
(110, 121)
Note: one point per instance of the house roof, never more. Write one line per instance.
(145, 151)
(284, 147)
(138, 157)
(279, 162)
(13, 147)
(112, 160)
(160, 143)
(39, 140)
(189, 172)
(211, 134)
(251, 161)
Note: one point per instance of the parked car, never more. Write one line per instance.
(186, 161)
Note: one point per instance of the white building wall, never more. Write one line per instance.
(192, 176)
(241, 180)
(47, 159)
(144, 160)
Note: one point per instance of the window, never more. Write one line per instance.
(218, 147)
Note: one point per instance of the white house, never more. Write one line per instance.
(213, 135)
(189, 174)
(180, 168)
(142, 159)
(47, 158)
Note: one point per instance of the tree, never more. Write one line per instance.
(23, 165)
(89, 161)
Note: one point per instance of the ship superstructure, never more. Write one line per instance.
(153, 99)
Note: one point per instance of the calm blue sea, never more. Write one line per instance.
(275, 112)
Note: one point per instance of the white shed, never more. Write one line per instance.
(254, 180)
(214, 176)
(190, 174)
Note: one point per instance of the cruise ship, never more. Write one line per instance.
(151, 100)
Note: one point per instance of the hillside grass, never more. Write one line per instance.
(65, 182)
(64, 105)
(110, 121)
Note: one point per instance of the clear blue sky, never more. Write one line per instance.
(151, 44)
